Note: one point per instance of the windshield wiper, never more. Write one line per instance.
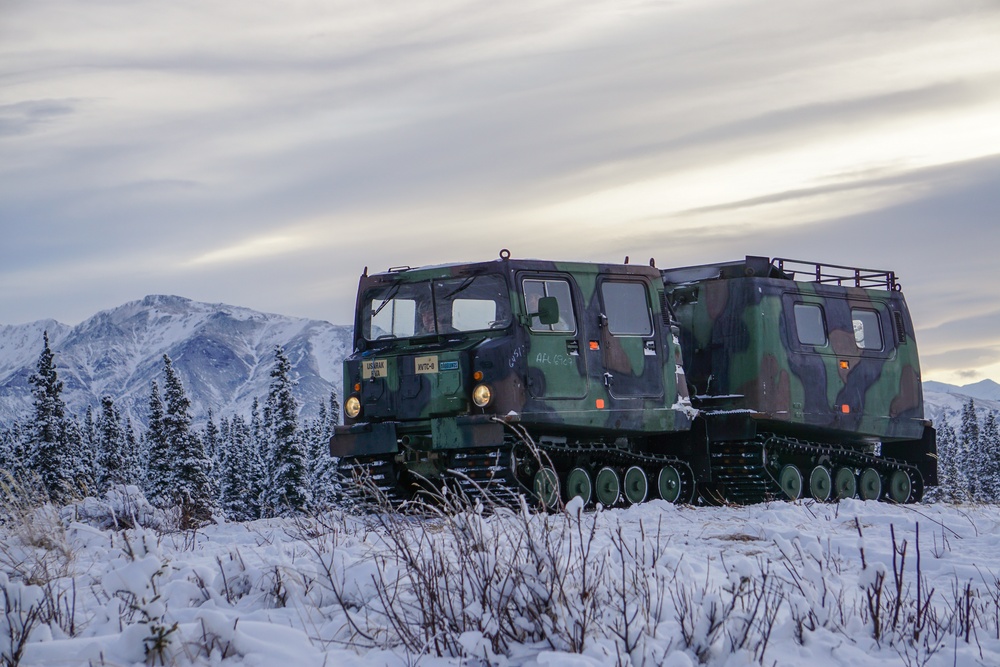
(461, 288)
(388, 298)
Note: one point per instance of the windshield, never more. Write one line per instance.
(446, 305)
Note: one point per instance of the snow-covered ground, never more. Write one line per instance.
(655, 584)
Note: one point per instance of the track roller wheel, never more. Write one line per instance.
(668, 483)
(608, 486)
(845, 484)
(870, 484)
(790, 481)
(636, 485)
(900, 487)
(579, 483)
(820, 484)
(546, 487)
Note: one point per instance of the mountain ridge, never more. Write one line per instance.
(222, 353)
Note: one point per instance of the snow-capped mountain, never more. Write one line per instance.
(223, 354)
(943, 402)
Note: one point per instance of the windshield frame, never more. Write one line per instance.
(407, 309)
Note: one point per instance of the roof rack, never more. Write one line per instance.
(833, 274)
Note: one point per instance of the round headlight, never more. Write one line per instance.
(482, 395)
(352, 407)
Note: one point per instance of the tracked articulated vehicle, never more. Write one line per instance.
(731, 382)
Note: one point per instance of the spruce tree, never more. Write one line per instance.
(321, 464)
(989, 440)
(111, 447)
(132, 471)
(214, 451)
(6, 451)
(82, 456)
(22, 451)
(191, 489)
(51, 459)
(241, 471)
(970, 459)
(287, 465)
(159, 482)
(334, 409)
(87, 467)
(257, 461)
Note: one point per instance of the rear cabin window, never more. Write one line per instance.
(627, 309)
(809, 324)
(867, 330)
(535, 289)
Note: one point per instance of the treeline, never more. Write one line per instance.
(239, 468)
(969, 458)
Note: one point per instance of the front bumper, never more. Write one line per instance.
(380, 438)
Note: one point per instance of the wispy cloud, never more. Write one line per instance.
(252, 249)
(185, 143)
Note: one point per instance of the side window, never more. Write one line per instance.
(867, 330)
(627, 308)
(809, 324)
(536, 289)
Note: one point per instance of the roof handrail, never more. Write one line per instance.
(835, 274)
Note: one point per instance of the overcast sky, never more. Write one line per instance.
(261, 154)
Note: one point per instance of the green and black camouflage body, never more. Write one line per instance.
(745, 348)
(700, 372)
(579, 375)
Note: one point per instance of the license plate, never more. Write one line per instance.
(424, 365)
(376, 368)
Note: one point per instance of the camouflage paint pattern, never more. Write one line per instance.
(742, 345)
(586, 379)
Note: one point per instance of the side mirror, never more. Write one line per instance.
(548, 310)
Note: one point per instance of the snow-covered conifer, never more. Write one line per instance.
(948, 465)
(21, 450)
(288, 470)
(989, 441)
(970, 453)
(159, 480)
(214, 451)
(192, 488)
(6, 450)
(321, 465)
(241, 473)
(52, 457)
(86, 456)
(111, 447)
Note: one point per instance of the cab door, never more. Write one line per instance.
(556, 368)
(630, 349)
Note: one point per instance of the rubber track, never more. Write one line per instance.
(599, 455)
(486, 475)
(748, 470)
(369, 481)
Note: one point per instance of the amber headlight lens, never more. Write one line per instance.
(482, 395)
(352, 407)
